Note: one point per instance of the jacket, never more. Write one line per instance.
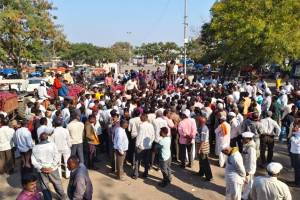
(80, 186)
(90, 134)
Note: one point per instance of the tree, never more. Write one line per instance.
(169, 51)
(82, 53)
(255, 32)
(122, 50)
(26, 27)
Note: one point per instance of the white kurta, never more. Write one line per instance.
(266, 188)
(234, 175)
(221, 141)
(249, 159)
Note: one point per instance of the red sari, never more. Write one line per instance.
(56, 86)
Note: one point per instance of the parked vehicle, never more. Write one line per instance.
(34, 83)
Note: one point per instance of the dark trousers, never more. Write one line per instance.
(204, 166)
(119, 164)
(26, 166)
(77, 150)
(6, 161)
(54, 178)
(183, 148)
(142, 155)
(91, 155)
(165, 167)
(131, 151)
(233, 142)
(175, 144)
(296, 162)
(266, 141)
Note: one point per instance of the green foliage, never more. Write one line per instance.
(87, 53)
(254, 32)
(164, 51)
(26, 28)
(122, 51)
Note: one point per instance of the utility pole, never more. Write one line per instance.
(185, 33)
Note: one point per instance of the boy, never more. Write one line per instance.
(29, 183)
(164, 147)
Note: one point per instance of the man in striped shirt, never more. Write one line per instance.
(202, 141)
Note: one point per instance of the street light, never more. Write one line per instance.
(185, 34)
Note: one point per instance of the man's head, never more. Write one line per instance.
(29, 182)
(73, 163)
(274, 169)
(43, 121)
(92, 119)
(144, 117)
(44, 137)
(159, 113)
(247, 137)
(124, 124)
(226, 150)
(164, 132)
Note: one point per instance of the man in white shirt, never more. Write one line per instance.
(61, 138)
(131, 85)
(120, 146)
(271, 129)
(235, 173)
(144, 140)
(42, 91)
(288, 88)
(45, 159)
(269, 187)
(44, 127)
(24, 143)
(234, 129)
(158, 123)
(6, 145)
(76, 128)
(66, 114)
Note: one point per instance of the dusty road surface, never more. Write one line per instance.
(186, 185)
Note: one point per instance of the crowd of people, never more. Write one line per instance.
(158, 119)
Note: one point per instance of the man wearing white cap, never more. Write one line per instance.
(234, 173)
(234, 129)
(249, 159)
(269, 187)
(222, 139)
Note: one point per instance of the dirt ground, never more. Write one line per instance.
(185, 185)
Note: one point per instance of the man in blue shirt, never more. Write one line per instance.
(164, 146)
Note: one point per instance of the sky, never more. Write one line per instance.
(104, 22)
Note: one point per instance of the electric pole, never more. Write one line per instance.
(185, 33)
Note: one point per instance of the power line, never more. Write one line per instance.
(159, 19)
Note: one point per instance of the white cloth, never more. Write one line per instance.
(266, 188)
(42, 92)
(44, 129)
(234, 128)
(76, 129)
(295, 143)
(270, 127)
(234, 175)
(6, 138)
(120, 140)
(159, 123)
(23, 140)
(249, 160)
(66, 116)
(134, 123)
(146, 136)
(130, 85)
(61, 138)
(45, 155)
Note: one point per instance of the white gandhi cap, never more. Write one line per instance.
(274, 167)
